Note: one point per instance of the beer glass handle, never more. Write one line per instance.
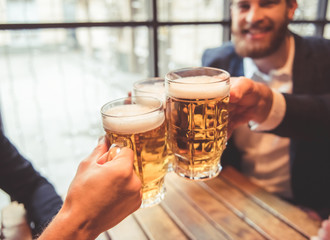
(113, 151)
(117, 145)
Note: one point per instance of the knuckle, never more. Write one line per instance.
(83, 164)
(127, 172)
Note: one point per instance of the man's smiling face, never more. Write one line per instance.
(260, 26)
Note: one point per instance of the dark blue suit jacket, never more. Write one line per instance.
(24, 184)
(306, 121)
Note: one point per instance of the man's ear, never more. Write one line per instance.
(292, 6)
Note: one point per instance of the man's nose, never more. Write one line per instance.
(254, 14)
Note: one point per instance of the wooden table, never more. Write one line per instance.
(226, 207)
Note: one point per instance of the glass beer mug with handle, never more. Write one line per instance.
(197, 111)
(139, 123)
(154, 87)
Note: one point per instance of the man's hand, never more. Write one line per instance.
(101, 195)
(249, 101)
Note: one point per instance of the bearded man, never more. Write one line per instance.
(280, 111)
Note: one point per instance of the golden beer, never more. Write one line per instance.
(141, 127)
(154, 87)
(197, 111)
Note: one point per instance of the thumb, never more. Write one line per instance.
(108, 156)
(124, 156)
(117, 154)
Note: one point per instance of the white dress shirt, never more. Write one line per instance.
(266, 156)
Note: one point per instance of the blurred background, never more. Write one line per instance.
(61, 60)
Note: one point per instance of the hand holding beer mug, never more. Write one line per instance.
(139, 123)
(197, 111)
(154, 87)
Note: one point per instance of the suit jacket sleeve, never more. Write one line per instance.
(308, 108)
(24, 184)
(306, 117)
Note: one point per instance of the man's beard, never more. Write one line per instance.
(256, 50)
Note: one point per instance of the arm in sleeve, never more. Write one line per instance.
(24, 184)
(306, 117)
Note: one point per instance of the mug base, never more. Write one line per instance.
(197, 175)
(154, 200)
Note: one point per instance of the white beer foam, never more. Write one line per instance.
(134, 118)
(202, 87)
(152, 89)
(155, 90)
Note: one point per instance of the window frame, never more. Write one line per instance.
(154, 24)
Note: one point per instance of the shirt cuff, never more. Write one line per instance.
(275, 115)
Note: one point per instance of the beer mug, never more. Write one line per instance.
(154, 87)
(197, 114)
(139, 123)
